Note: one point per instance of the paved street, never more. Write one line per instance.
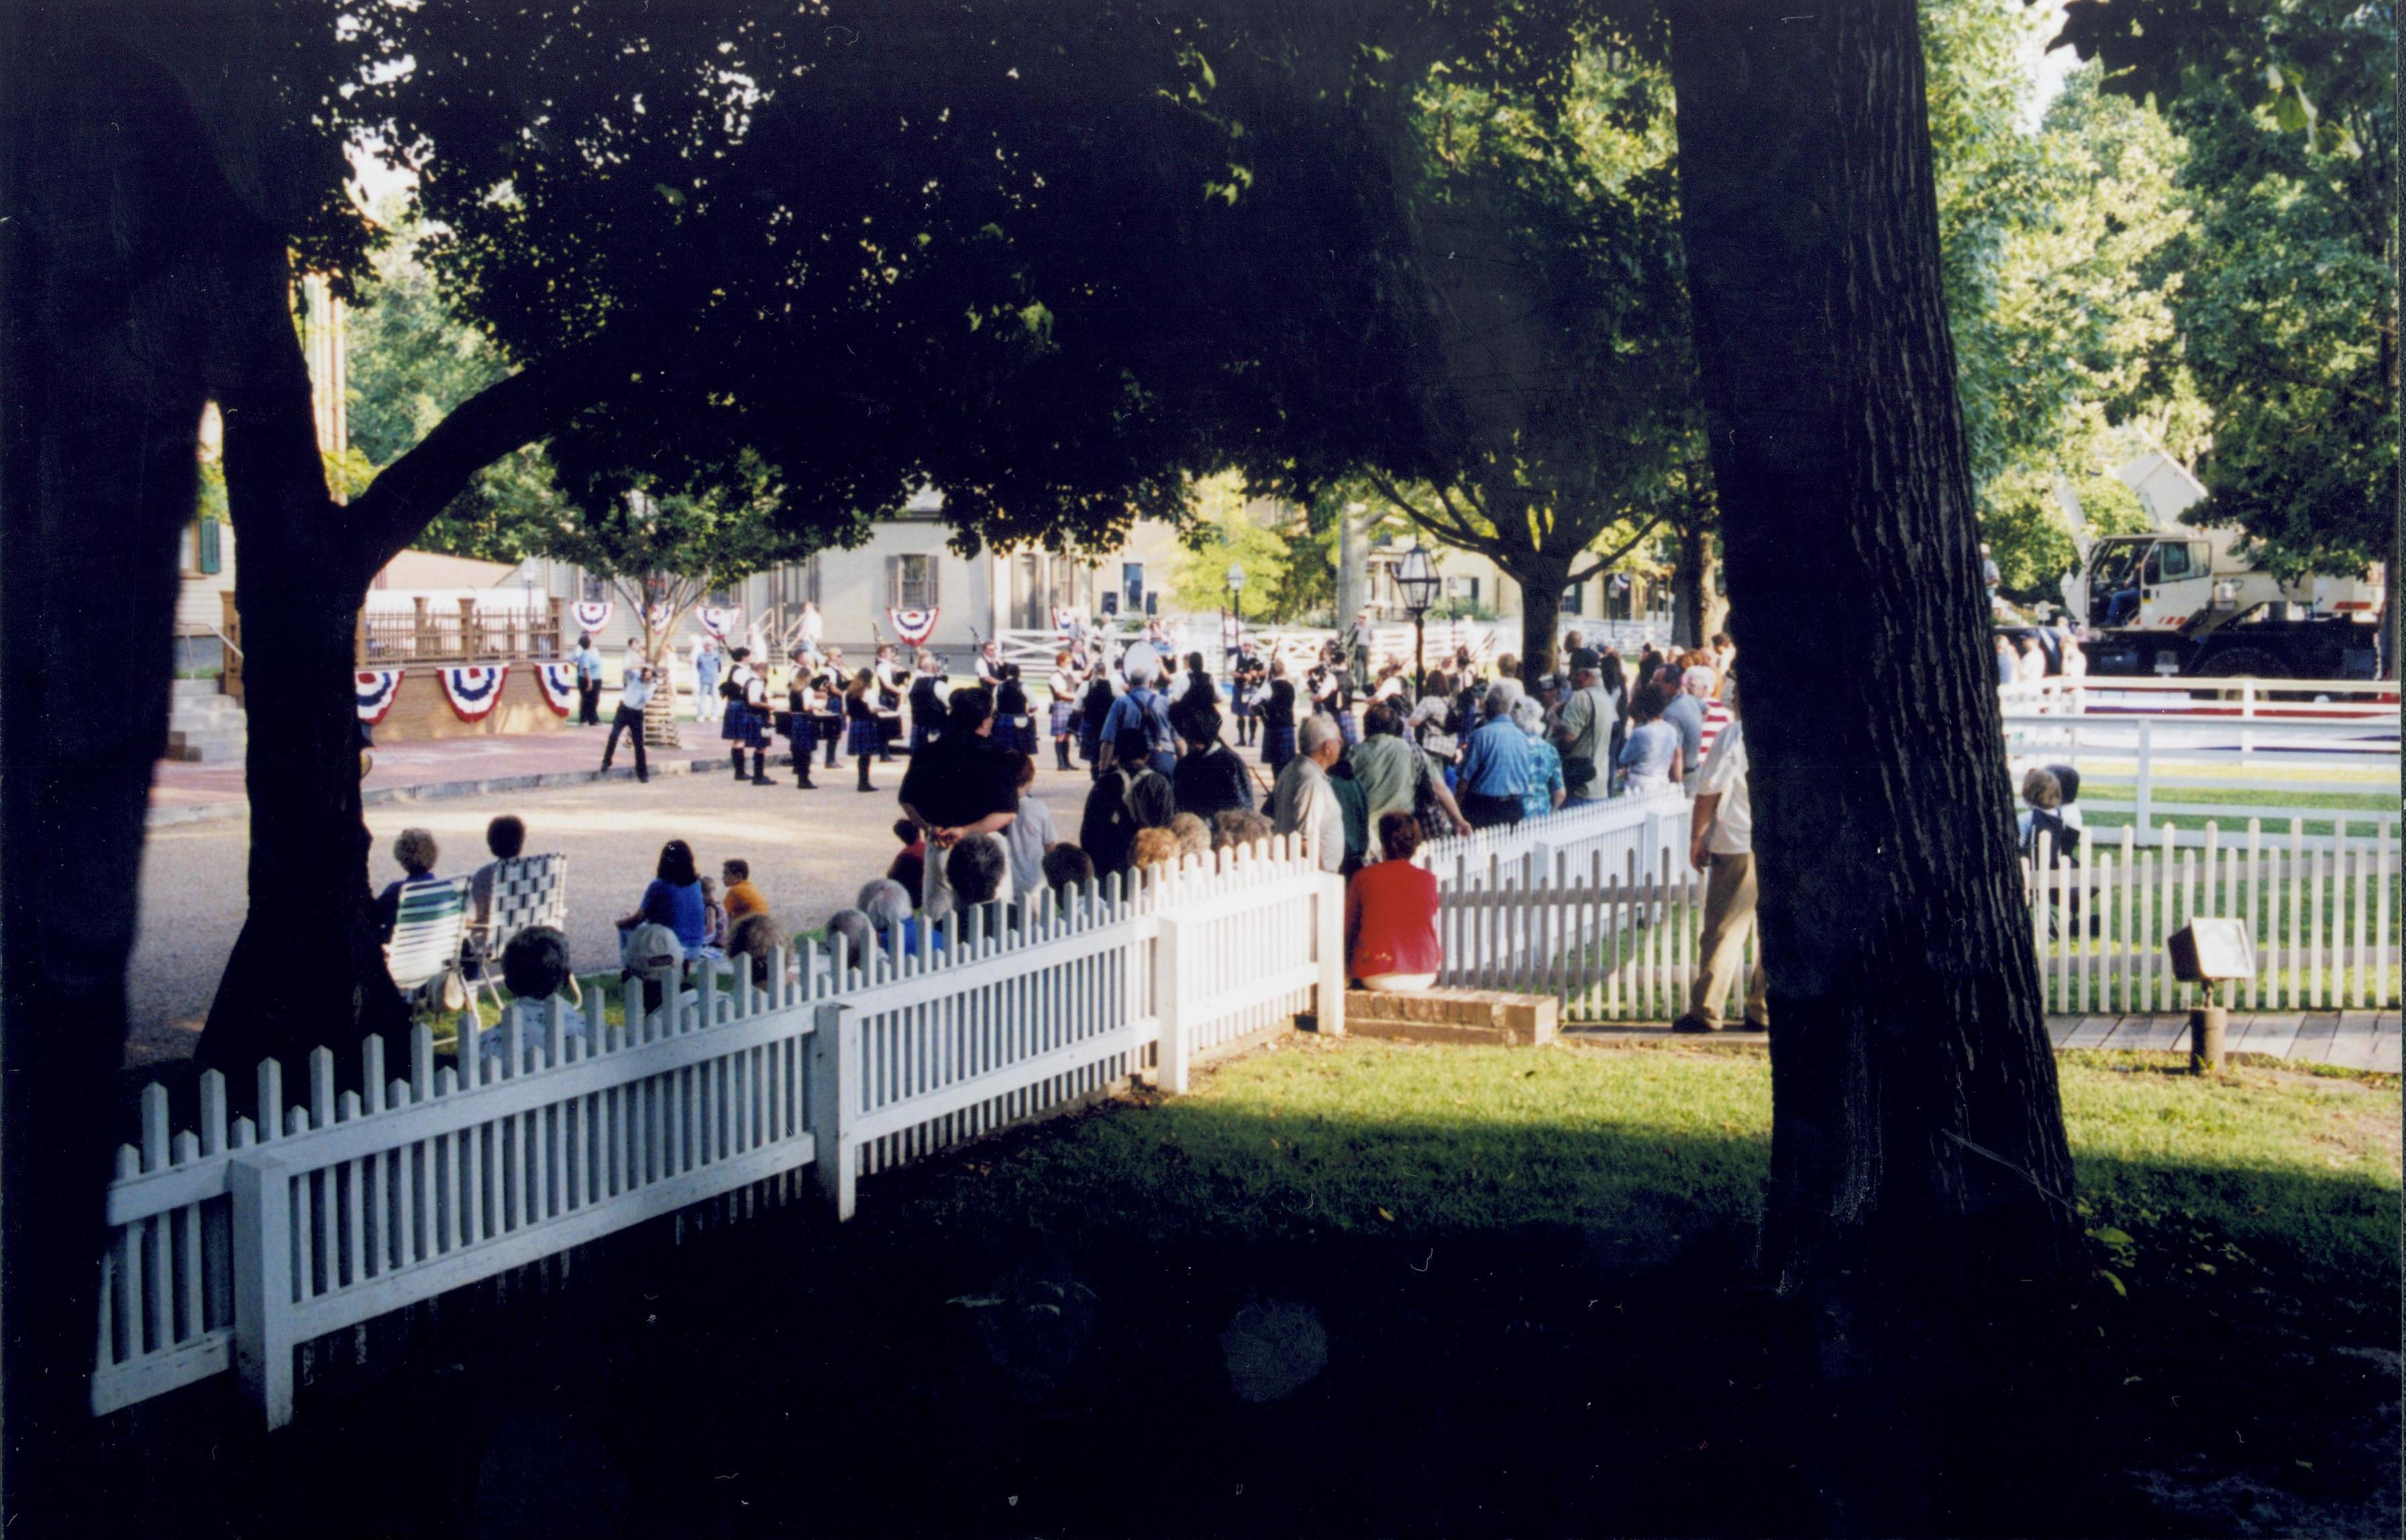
(810, 853)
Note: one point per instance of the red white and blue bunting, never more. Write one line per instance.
(559, 682)
(474, 690)
(376, 689)
(719, 621)
(662, 614)
(1065, 622)
(591, 614)
(913, 625)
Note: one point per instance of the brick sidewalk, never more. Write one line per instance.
(456, 767)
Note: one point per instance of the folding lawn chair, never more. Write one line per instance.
(426, 937)
(527, 890)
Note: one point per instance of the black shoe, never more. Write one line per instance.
(1694, 1023)
(1754, 1026)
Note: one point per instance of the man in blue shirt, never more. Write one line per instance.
(586, 660)
(1494, 773)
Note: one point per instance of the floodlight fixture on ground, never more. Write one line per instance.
(2211, 953)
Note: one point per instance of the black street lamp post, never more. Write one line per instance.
(1416, 578)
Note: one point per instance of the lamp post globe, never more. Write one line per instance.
(1417, 579)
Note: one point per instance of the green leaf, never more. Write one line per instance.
(2117, 1282)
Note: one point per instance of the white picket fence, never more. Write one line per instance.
(1563, 844)
(2166, 761)
(1616, 944)
(233, 1244)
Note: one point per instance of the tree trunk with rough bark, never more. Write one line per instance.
(1541, 582)
(108, 351)
(1917, 1137)
(308, 968)
(1691, 615)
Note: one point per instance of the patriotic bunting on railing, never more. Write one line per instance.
(591, 614)
(719, 621)
(475, 689)
(913, 625)
(559, 682)
(377, 688)
(1065, 623)
(662, 614)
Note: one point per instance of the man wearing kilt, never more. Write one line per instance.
(865, 725)
(1278, 718)
(1065, 706)
(1246, 677)
(829, 686)
(1014, 721)
(1093, 709)
(927, 696)
(746, 724)
(800, 723)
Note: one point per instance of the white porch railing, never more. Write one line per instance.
(233, 1243)
(1615, 945)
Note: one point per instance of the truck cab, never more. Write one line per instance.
(2149, 583)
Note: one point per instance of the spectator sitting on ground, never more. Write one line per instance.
(910, 865)
(859, 937)
(1155, 848)
(1239, 828)
(650, 953)
(505, 837)
(755, 937)
(414, 849)
(2067, 781)
(741, 897)
(888, 907)
(1391, 938)
(534, 968)
(674, 899)
(976, 867)
(1068, 871)
(1193, 834)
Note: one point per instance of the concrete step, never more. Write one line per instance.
(207, 745)
(187, 690)
(216, 711)
(1455, 1016)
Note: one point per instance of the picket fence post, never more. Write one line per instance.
(835, 1093)
(1329, 925)
(2146, 796)
(261, 1186)
(1176, 1053)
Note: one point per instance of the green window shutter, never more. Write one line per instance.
(212, 558)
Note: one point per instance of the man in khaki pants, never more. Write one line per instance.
(1721, 844)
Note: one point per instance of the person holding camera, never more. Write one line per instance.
(632, 697)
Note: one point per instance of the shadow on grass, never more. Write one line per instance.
(1192, 1318)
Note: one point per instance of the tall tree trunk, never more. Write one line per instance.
(1353, 569)
(99, 423)
(1917, 1132)
(307, 970)
(1690, 593)
(1542, 580)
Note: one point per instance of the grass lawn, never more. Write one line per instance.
(1348, 1287)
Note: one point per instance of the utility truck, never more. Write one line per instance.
(2180, 600)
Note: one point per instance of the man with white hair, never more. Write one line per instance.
(1495, 775)
(1303, 802)
(1686, 712)
(1142, 709)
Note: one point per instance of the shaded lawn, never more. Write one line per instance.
(1355, 1288)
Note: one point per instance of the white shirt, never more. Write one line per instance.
(1724, 776)
(1026, 837)
(2030, 668)
(1303, 803)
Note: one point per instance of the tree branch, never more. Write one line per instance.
(503, 416)
(1446, 526)
(1604, 562)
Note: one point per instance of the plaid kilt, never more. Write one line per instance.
(1277, 745)
(743, 726)
(1065, 718)
(864, 737)
(800, 730)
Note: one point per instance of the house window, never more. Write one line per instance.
(1573, 599)
(596, 589)
(1132, 584)
(1465, 589)
(915, 582)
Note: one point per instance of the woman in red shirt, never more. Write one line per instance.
(1390, 941)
